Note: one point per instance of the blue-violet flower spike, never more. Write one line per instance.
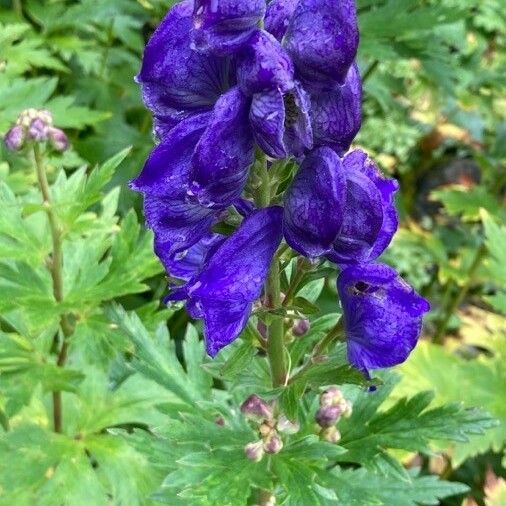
(222, 27)
(322, 39)
(382, 315)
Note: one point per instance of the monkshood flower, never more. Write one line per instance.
(278, 15)
(340, 208)
(222, 294)
(382, 315)
(223, 26)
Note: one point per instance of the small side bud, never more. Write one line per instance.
(301, 328)
(254, 407)
(273, 443)
(331, 397)
(328, 416)
(331, 435)
(58, 139)
(15, 138)
(286, 426)
(265, 429)
(254, 451)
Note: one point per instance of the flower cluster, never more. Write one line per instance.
(226, 80)
(35, 125)
(268, 427)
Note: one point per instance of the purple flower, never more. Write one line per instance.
(15, 138)
(177, 81)
(223, 26)
(281, 123)
(278, 16)
(263, 65)
(178, 221)
(222, 294)
(322, 39)
(382, 315)
(336, 113)
(340, 208)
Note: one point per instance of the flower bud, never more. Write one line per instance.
(254, 451)
(268, 501)
(331, 435)
(15, 138)
(331, 397)
(58, 139)
(301, 328)
(286, 426)
(328, 416)
(265, 429)
(254, 407)
(38, 130)
(273, 443)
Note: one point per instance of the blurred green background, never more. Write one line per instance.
(434, 117)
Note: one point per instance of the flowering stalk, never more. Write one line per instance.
(55, 268)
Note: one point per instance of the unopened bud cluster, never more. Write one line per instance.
(332, 407)
(268, 427)
(35, 125)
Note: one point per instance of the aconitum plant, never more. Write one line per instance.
(255, 108)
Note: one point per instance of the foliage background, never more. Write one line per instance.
(434, 116)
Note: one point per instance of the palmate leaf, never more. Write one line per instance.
(363, 488)
(409, 424)
(453, 378)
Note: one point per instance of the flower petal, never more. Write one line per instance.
(222, 27)
(176, 80)
(314, 204)
(187, 264)
(223, 322)
(382, 315)
(238, 268)
(281, 123)
(278, 16)
(322, 38)
(224, 153)
(264, 65)
(166, 171)
(336, 114)
(358, 160)
(362, 220)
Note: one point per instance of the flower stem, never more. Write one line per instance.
(56, 270)
(276, 330)
(301, 269)
(460, 295)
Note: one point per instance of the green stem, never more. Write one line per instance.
(56, 270)
(334, 334)
(460, 295)
(300, 271)
(4, 421)
(18, 7)
(276, 330)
